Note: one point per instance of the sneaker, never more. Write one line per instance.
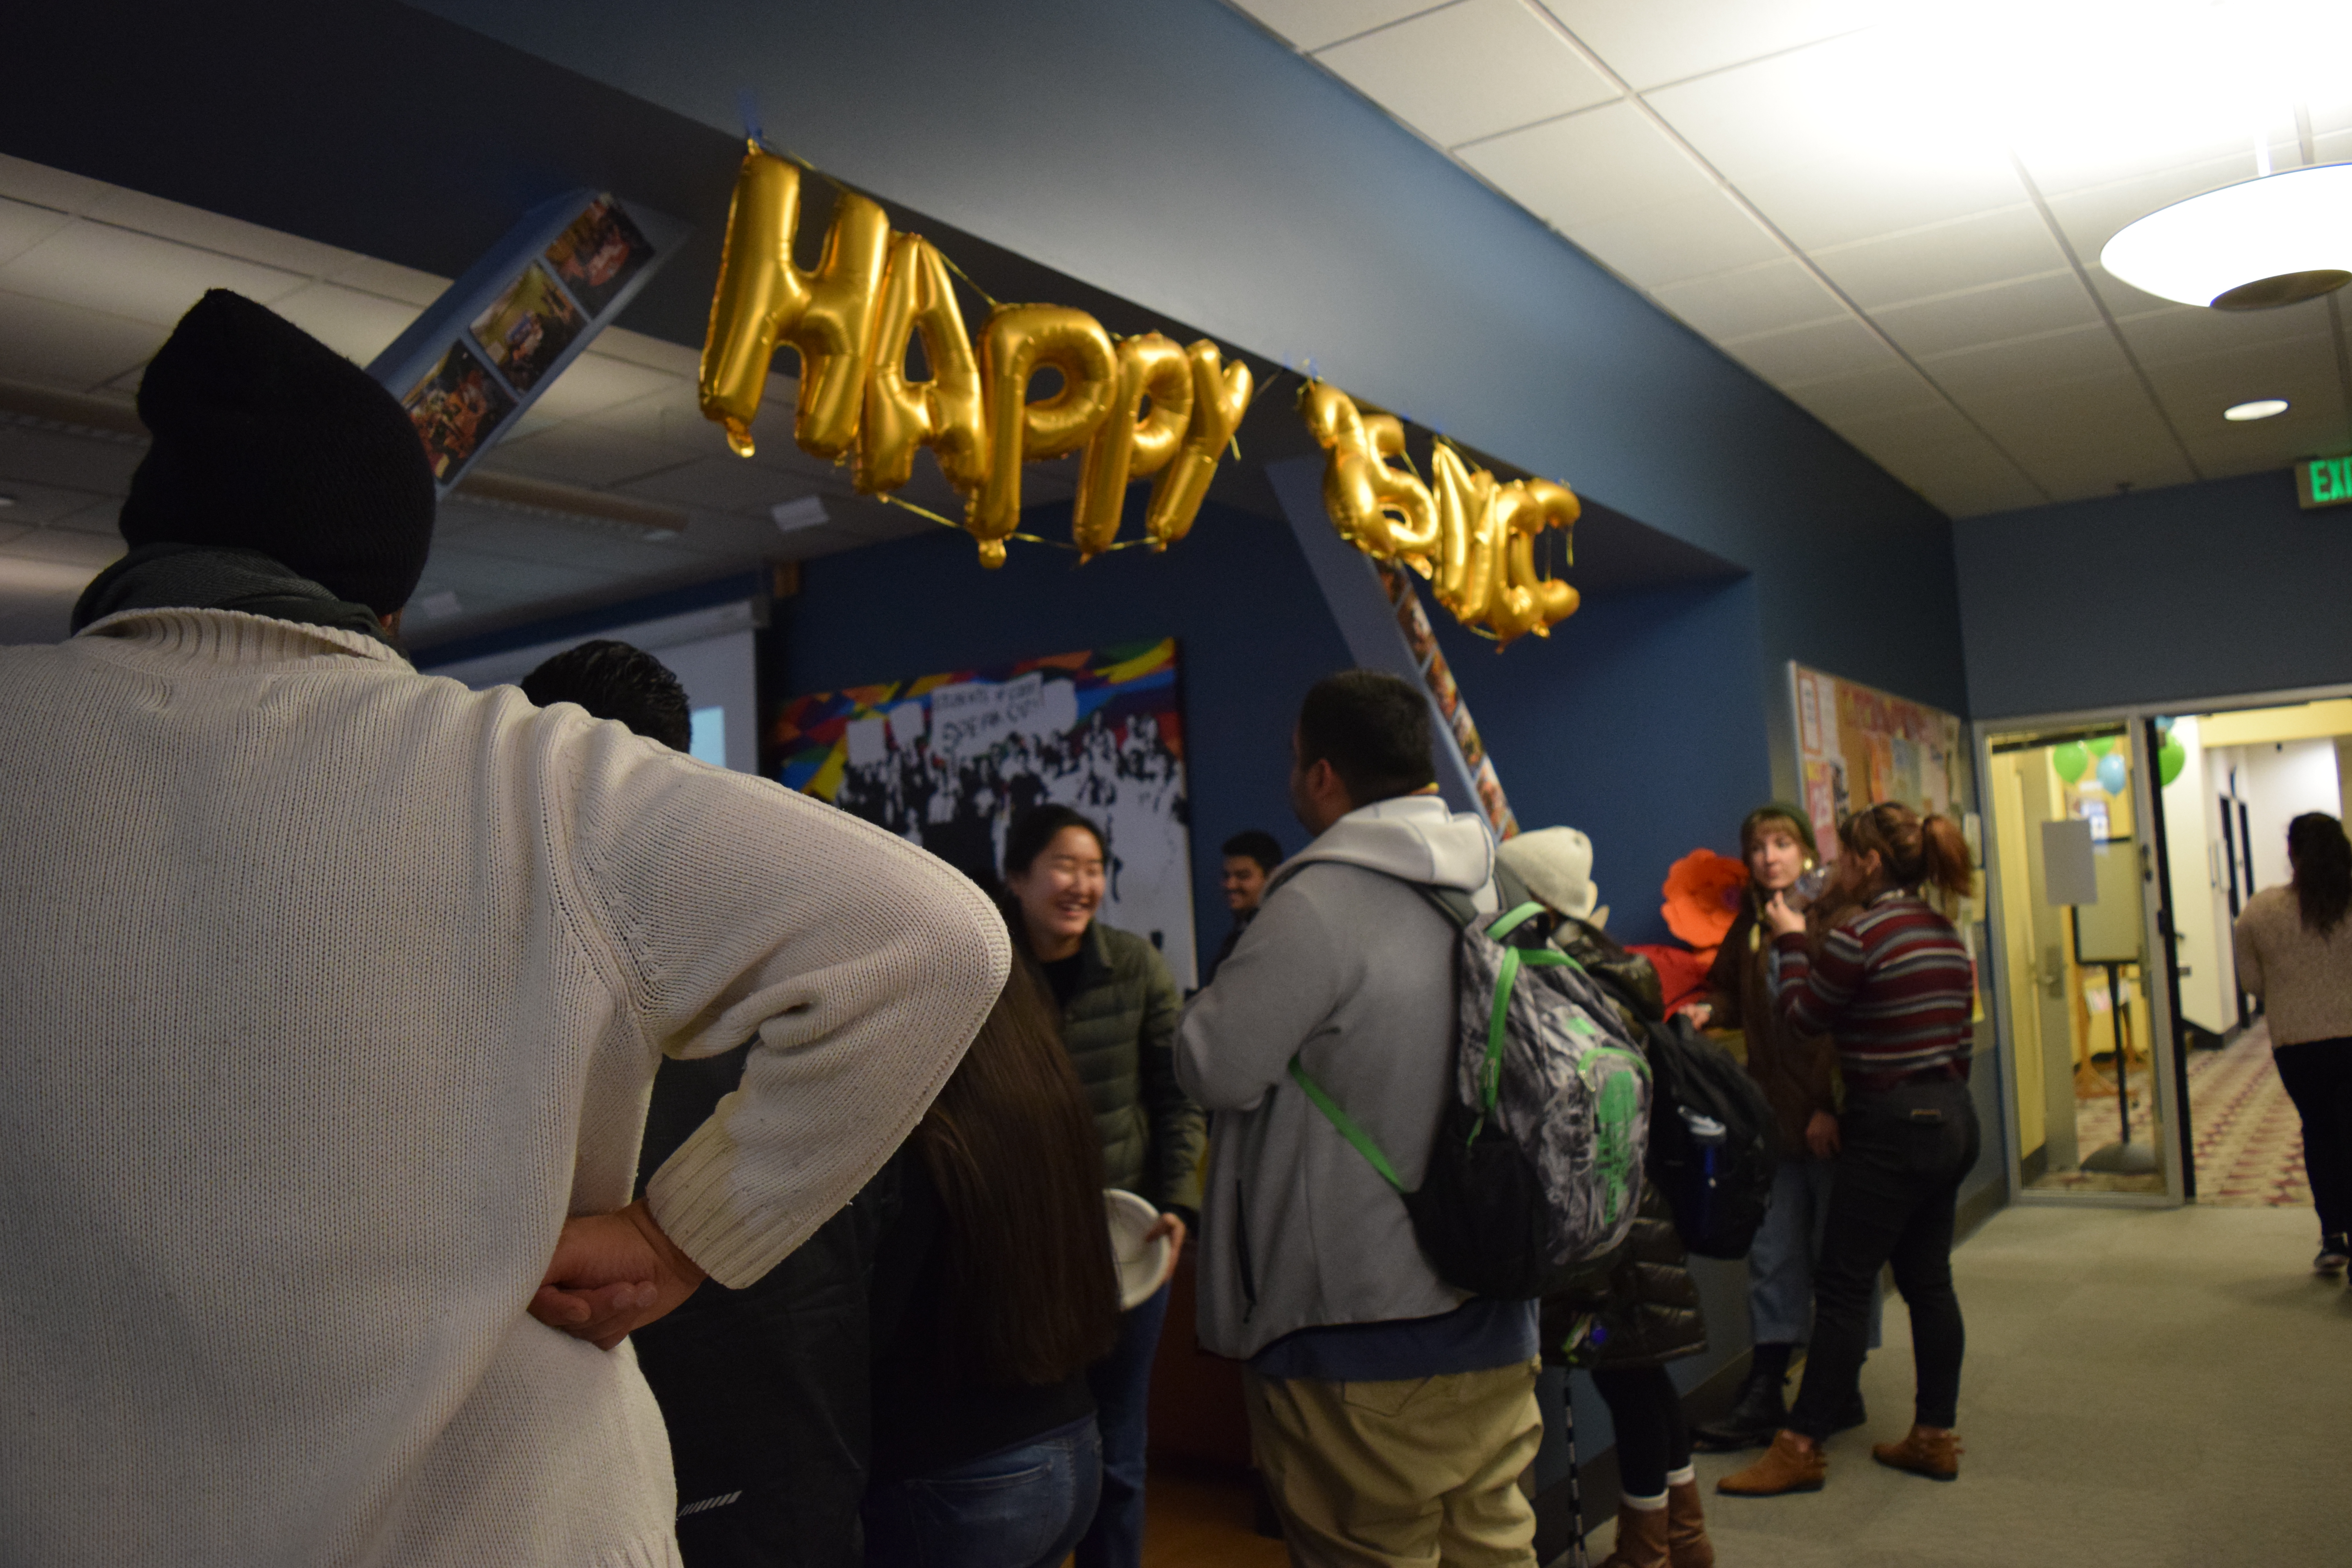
(2334, 1252)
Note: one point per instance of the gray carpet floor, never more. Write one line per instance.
(2142, 1388)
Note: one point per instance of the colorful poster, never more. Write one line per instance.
(947, 761)
(598, 255)
(456, 408)
(527, 328)
(1856, 745)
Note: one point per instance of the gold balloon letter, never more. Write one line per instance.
(764, 299)
(943, 413)
(1468, 545)
(1382, 511)
(1130, 444)
(1220, 395)
(1547, 505)
(1018, 341)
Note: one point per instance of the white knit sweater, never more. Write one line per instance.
(327, 991)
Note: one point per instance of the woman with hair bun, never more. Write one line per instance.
(2294, 951)
(1890, 981)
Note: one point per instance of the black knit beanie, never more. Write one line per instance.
(266, 439)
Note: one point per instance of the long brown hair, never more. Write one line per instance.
(1031, 1295)
(2322, 859)
(1913, 851)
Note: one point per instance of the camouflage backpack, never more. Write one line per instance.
(1538, 1165)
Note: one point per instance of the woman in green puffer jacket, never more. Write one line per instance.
(1118, 1014)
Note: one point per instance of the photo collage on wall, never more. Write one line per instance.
(949, 761)
(481, 380)
(1856, 745)
(1421, 637)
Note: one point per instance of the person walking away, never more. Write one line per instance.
(1798, 1074)
(1250, 859)
(378, 969)
(1629, 1313)
(1117, 1011)
(1391, 1414)
(764, 1390)
(2294, 951)
(992, 1292)
(1894, 986)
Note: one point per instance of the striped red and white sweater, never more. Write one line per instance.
(1891, 984)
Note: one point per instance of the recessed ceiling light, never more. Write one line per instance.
(2260, 409)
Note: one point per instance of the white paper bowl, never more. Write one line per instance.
(1144, 1265)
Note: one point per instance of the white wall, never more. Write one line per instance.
(2280, 781)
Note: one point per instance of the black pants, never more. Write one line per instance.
(1652, 1432)
(1897, 1181)
(2318, 1078)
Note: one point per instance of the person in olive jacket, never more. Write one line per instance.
(1119, 1011)
(1635, 1310)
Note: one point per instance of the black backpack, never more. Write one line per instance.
(1711, 1136)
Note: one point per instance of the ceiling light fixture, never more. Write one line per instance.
(2272, 241)
(2260, 409)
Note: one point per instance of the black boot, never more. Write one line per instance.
(1852, 1416)
(1760, 1411)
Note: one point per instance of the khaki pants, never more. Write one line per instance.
(1420, 1471)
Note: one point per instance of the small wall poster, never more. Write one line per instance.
(947, 761)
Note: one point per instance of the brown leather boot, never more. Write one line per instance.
(1923, 1452)
(1686, 1542)
(1641, 1540)
(1785, 1467)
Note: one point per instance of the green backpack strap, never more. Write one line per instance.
(1347, 1125)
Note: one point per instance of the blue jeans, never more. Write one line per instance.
(1017, 1508)
(1786, 1247)
(1121, 1382)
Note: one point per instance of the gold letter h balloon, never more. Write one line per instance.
(1138, 407)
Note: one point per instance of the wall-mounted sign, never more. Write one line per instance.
(480, 354)
(2324, 481)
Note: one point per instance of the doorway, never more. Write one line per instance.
(2085, 1017)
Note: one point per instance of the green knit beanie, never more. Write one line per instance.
(1776, 811)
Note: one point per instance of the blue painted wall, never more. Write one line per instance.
(1176, 155)
(1252, 630)
(2212, 590)
(1639, 721)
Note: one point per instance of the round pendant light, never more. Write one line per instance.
(2248, 247)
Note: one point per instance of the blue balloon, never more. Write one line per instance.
(2164, 726)
(2111, 773)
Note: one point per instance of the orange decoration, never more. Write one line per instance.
(1703, 891)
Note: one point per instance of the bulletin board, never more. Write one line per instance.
(1857, 745)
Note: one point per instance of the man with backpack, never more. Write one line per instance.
(1391, 1412)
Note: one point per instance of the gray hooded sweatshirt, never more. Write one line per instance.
(1352, 971)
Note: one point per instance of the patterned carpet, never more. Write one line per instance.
(2249, 1139)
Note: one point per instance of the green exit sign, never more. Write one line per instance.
(2324, 481)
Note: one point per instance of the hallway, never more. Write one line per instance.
(2143, 1388)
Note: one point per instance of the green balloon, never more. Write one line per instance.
(2170, 760)
(2101, 745)
(2071, 761)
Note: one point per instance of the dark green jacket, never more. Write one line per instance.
(1120, 1031)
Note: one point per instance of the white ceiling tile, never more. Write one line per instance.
(212, 231)
(137, 276)
(1687, 238)
(2067, 355)
(1893, 387)
(1805, 136)
(1939, 455)
(2108, 468)
(24, 181)
(1589, 166)
(33, 505)
(726, 482)
(1838, 347)
(593, 383)
(2191, 331)
(581, 454)
(394, 281)
(1750, 299)
(1469, 70)
(65, 345)
(2335, 147)
(2020, 308)
(23, 227)
(654, 353)
(1944, 257)
(356, 325)
(88, 551)
(1650, 42)
(2304, 372)
(2085, 437)
(100, 515)
(2152, 156)
(1311, 24)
